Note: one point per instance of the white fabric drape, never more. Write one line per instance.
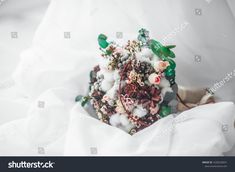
(55, 69)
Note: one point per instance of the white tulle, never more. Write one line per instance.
(54, 70)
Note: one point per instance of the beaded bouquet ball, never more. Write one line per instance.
(133, 85)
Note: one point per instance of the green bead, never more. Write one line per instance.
(165, 51)
(172, 63)
(165, 110)
(155, 47)
(162, 51)
(171, 54)
(102, 41)
(170, 46)
(169, 71)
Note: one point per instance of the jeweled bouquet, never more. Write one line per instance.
(133, 85)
